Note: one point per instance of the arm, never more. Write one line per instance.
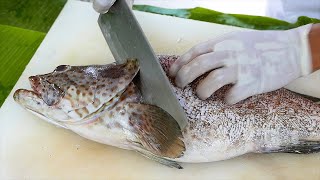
(314, 42)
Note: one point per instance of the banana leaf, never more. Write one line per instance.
(239, 20)
(17, 47)
(23, 26)
(37, 15)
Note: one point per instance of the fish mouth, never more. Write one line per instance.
(32, 102)
(21, 96)
(29, 99)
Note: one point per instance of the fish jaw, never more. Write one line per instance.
(109, 129)
(33, 103)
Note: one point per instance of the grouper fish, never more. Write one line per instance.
(103, 103)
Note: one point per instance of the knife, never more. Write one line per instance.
(126, 39)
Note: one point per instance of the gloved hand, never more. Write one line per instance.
(254, 61)
(103, 6)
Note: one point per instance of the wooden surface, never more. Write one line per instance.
(34, 149)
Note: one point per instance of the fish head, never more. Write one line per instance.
(102, 104)
(76, 93)
(34, 103)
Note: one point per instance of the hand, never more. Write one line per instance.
(103, 6)
(254, 61)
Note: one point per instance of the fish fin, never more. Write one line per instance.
(158, 159)
(157, 130)
(302, 147)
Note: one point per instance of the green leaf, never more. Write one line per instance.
(183, 13)
(23, 26)
(302, 20)
(239, 20)
(17, 47)
(245, 21)
(37, 15)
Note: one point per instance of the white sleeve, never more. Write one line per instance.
(290, 10)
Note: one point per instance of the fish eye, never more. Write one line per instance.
(61, 68)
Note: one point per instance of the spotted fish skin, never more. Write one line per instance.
(112, 126)
(279, 121)
(270, 122)
(81, 90)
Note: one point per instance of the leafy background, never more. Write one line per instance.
(240, 20)
(24, 24)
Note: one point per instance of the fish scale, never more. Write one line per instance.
(267, 111)
(278, 121)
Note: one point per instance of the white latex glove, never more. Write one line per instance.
(103, 6)
(254, 61)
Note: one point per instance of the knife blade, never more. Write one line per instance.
(126, 39)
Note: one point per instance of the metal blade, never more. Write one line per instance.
(127, 40)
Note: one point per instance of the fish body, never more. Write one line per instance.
(103, 104)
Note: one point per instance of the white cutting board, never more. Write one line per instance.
(33, 149)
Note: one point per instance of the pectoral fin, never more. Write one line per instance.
(156, 129)
(158, 159)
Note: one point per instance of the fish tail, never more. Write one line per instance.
(302, 147)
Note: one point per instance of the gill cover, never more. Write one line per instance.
(52, 94)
